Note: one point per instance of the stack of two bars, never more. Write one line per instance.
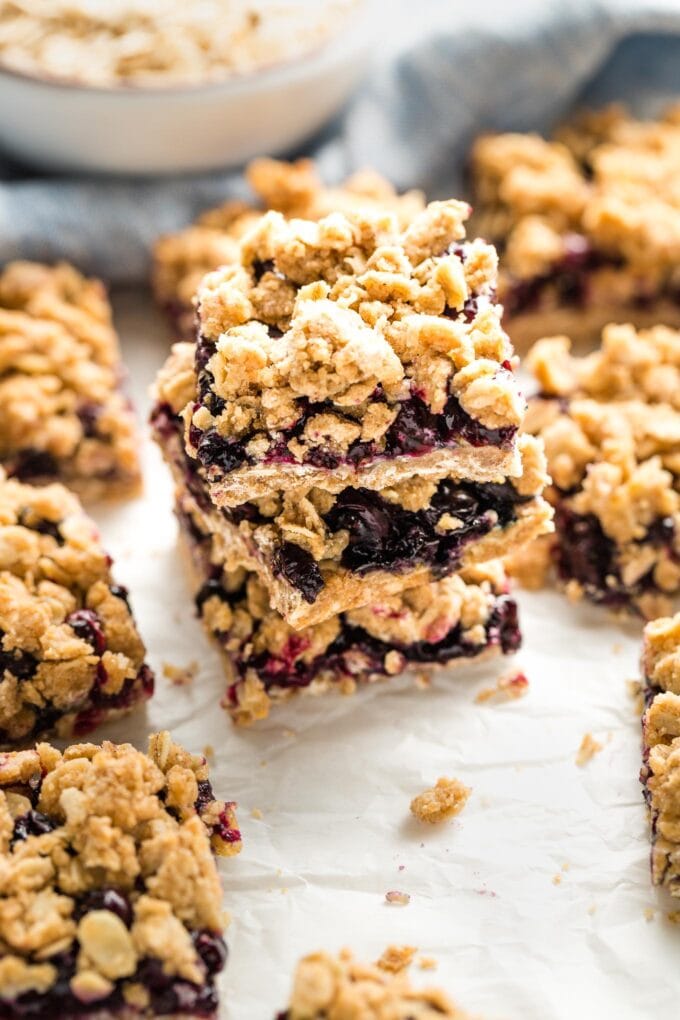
(344, 439)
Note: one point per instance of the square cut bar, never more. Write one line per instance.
(351, 351)
(660, 774)
(612, 448)
(458, 619)
(294, 189)
(319, 553)
(63, 416)
(110, 901)
(587, 224)
(329, 987)
(70, 653)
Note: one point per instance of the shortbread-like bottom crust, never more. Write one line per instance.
(477, 464)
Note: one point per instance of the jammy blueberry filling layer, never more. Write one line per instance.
(416, 430)
(584, 553)
(385, 536)
(167, 994)
(569, 281)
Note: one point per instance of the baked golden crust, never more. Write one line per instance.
(70, 653)
(62, 415)
(106, 852)
(339, 988)
(586, 221)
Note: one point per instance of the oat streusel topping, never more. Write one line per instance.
(362, 304)
(66, 631)
(62, 415)
(340, 988)
(661, 653)
(97, 818)
(445, 799)
(660, 776)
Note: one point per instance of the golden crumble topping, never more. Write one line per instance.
(62, 415)
(445, 799)
(339, 988)
(660, 776)
(96, 820)
(661, 653)
(70, 652)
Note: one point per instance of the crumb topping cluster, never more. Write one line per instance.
(344, 309)
(661, 654)
(294, 189)
(606, 177)
(340, 988)
(445, 799)
(59, 377)
(628, 365)
(104, 817)
(65, 627)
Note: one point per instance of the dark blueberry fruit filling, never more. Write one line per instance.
(20, 664)
(88, 627)
(89, 416)
(212, 950)
(120, 592)
(300, 569)
(205, 795)
(568, 278)
(31, 465)
(106, 899)
(33, 823)
(44, 527)
(586, 554)
(383, 535)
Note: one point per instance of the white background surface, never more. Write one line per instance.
(333, 778)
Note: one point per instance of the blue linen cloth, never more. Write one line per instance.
(444, 71)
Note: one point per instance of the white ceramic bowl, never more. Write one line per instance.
(153, 130)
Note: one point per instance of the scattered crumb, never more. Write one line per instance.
(557, 880)
(427, 963)
(649, 913)
(209, 752)
(180, 676)
(423, 681)
(592, 908)
(447, 798)
(396, 958)
(617, 648)
(290, 733)
(566, 866)
(674, 916)
(256, 813)
(284, 889)
(508, 687)
(588, 749)
(634, 688)
(401, 867)
(399, 898)
(263, 764)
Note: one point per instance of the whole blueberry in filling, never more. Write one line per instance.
(87, 626)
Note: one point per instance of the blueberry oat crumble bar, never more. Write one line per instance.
(293, 189)
(351, 351)
(110, 901)
(320, 553)
(660, 774)
(610, 424)
(63, 416)
(458, 619)
(587, 224)
(70, 653)
(329, 987)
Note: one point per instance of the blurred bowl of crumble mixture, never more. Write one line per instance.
(172, 86)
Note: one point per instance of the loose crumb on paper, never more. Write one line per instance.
(592, 908)
(396, 958)
(557, 880)
(634, 688)
(180, 676)
(427, 963)
(508, 687)
(256, 813)
(650, 914)
(423, 681)
(445, 799)
(209, 752)
(588, 749)
(400, 899)
(674, 916)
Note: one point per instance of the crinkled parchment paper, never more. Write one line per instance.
(535, 900)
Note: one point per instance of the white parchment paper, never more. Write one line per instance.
(535, 901)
